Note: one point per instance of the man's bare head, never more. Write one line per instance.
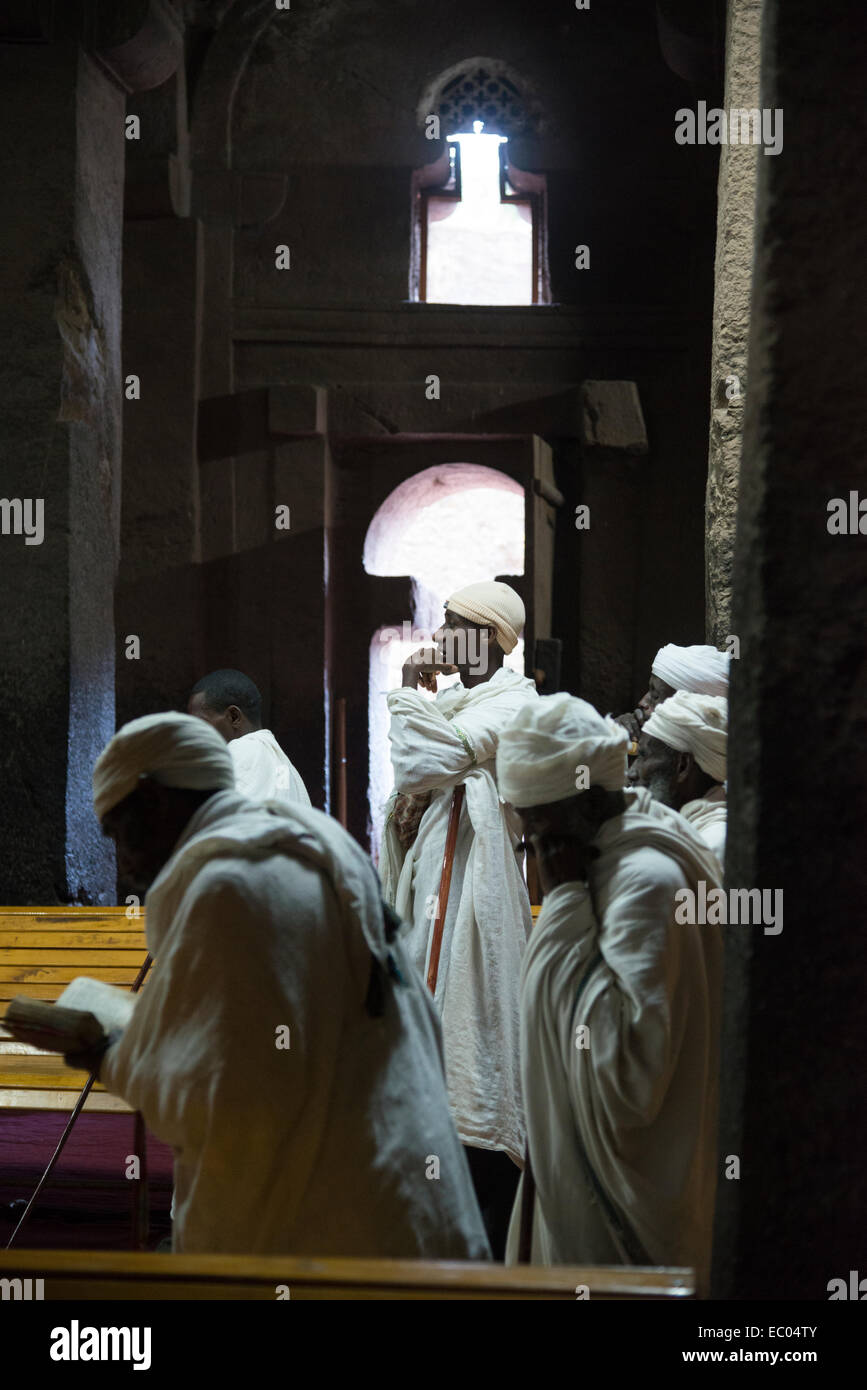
(229, 701)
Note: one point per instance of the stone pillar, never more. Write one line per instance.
(64, 73)
(62, 178)
(731, 316)
(160, 531)
(794, 1083)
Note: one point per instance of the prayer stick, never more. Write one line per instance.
(442, 901)
(79, 1106)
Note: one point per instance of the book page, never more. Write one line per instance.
(111, 1005)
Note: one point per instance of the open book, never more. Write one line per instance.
(81, 1020)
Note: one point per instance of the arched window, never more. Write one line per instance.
(479, 222)
(447, 526)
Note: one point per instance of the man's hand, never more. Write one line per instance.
(85, 1061)
(632, 723)
(90, 1061)
(421, 668)
(408, 811)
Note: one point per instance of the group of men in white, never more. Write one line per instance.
(555, 1096)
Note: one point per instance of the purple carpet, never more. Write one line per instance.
(87, 1203)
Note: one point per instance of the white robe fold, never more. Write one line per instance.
(708, 816)
(622, 1130)
(263, 772)
(265, 921)
(435, 745)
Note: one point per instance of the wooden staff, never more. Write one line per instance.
(442, 901)
(79, 1106)
(528, 1188)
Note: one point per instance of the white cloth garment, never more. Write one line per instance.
(174, 749)
(263, 772)
(701, 669)
(541, 752)
(708, 816)
(622, 1131)
(696, 724)
(435, 745)
(267, 928)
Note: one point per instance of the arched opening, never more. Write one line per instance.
(449, 525)
(479, 222)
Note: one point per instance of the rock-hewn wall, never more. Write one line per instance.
(794, 1083)
(731, 316)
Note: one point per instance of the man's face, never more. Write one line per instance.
(656, 692)
(463, 644)
(137, 833)
(222, 722)
(656, 769)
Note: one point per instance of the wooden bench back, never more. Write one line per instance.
(41, 950)
(98, 1274)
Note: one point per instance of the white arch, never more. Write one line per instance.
(446, 526)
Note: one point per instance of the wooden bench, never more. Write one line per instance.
(41, 950)
(98, 1274)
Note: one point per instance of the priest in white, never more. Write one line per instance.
(700, 669)
(283, 1044)
(620, 1005)
(682, 762)
(437, 745)
(231, 702)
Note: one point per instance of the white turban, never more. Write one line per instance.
(703, 670)
(174, 749)
(492, 604)
(541, 751)
(696, 724)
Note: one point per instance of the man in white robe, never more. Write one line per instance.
(682, 762)
(231, 702)
(437, 745)
(620, 1004)
(283, 1043)
(701, 669)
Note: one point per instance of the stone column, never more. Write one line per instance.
(794, 1083)
(60, 444)
(731, 316)
(64, 75)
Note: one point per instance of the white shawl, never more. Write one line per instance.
(708, 816)
(263, 772)
(435, 746)
(268, 930)
(622, 1132)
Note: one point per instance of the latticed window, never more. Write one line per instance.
(479, 234)
(482, 95)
